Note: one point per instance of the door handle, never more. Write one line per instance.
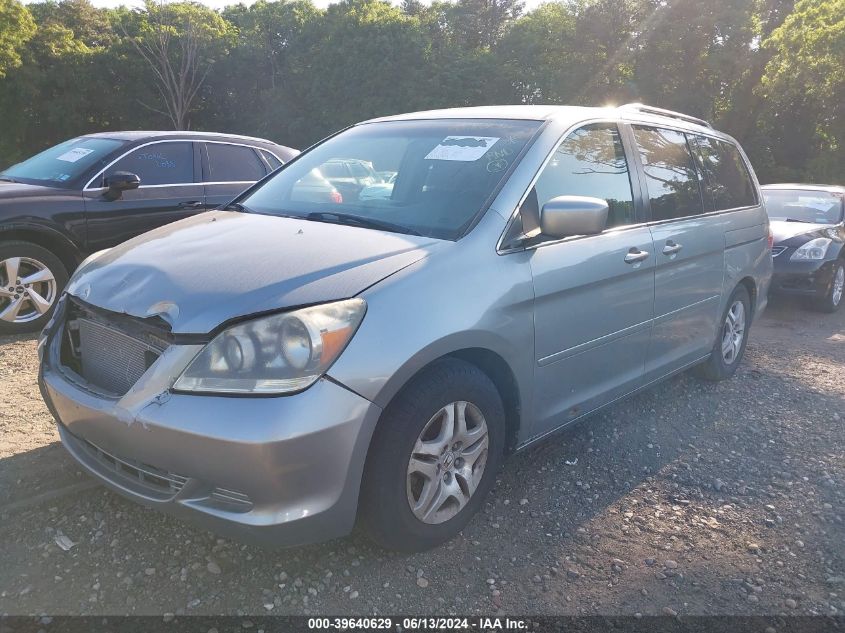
(671, 248)
(635, 256)
(191, 204)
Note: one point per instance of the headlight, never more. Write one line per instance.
(814, 249)
(277, 354)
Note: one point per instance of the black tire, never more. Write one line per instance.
(29, 251)
(386, 514)
(827, 303)
(716, 367)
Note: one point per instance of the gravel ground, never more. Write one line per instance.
(691, 498)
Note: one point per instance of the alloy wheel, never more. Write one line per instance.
(27, 289)
(733, 332)
(447, 462)
(838, 285)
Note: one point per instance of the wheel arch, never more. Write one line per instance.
(495, 367)
(751, 286)
(68, 252)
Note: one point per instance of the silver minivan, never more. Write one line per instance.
(286, 366)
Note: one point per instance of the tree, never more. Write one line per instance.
(805, 85)
(482, 23)
(16, 28)
(180, 43)
(690, 56)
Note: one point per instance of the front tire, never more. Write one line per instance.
(31, 280)
(433, 458)
(832, 299)
(733, 337)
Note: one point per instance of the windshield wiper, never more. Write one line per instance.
(7, 179)
(357, 220)
(799, 220)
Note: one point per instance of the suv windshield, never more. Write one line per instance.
(819, 207)
(425, 177)
(64, 162)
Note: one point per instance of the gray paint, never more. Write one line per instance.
(201, 272)
(573, 215)
(578, 322)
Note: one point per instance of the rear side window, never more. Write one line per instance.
(233, 163)
(673, 185)
(728, 183)
(159, 164)
(589, 162)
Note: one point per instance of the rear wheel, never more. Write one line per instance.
(832, 300)
(733, 337)
(31, 280)
(434, 457)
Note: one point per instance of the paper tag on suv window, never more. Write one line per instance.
(75, 154)
(463, 148)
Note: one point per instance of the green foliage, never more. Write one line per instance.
(804, 84)
(767, 71)
(16, 28)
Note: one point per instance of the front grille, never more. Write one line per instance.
(777, 250)
(104, 354)
(149, 477)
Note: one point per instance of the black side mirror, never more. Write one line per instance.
(118, 182)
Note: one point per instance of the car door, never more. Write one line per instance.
(169, 191)
(689, 250)
(594, 295)
(228, 169)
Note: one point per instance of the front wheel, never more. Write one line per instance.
(31, 280)
(733, 337)
(832, 299)
(434, 457)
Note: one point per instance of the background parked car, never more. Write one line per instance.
(96, 191)
(349, 175)
(808, 223)
(314, 187)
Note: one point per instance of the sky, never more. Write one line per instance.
(219, 4)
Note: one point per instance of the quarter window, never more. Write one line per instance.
(274, 162)
(673, 185)
(729, 184)
(159, 164)
(233, 163)
(589, 162)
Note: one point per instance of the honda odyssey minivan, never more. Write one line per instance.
(288, 365)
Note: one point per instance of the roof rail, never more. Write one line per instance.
(641, 107)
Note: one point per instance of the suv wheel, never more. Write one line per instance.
(434, 457)
(832, 300)
(31, 280)
(732, 339)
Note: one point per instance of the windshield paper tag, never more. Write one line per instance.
(75, 154)
(463, 148)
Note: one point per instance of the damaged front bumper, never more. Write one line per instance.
(271, 470)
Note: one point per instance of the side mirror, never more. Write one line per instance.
(573, 215)
(118, 182)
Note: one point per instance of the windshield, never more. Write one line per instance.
(819, 207)
(422, 177)
(64, 162)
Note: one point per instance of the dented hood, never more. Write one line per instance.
(201, 272)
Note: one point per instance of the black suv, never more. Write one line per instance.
(98, 190)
